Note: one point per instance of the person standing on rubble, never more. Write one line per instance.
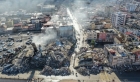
(72, 57)
(72, 72)
(113, 80)
(89, 75)
(76, 74)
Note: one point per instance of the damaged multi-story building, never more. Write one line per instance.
(101, 36)
(116, 55)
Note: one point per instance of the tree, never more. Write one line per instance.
(92, 42)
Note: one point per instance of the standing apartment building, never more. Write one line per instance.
(118, 18)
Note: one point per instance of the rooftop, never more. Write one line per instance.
(109, 31)
(132, 46)
(116, 50)
(120, 13)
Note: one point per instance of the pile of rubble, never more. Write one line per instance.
(90, 70)
(83, 71)
(90, 61)
(82, 49)
(54, 59)
(37, 62)
(99, 56)
(64, 71)
(96, 69)
(57, 56)
(20, 66)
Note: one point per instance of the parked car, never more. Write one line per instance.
(5, 49)
(2, 42)
(20, 40)
(11, 39)
(1, 49)
(28, 33)
(7, 40)
(1, 35)
(11, 51)
(5, 54)
(10, 44)
(28, 42)
(1, 57)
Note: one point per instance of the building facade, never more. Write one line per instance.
(137, 56)
(116, 55)
(109, 10)
(3, 28)
(91, 35)
(118, 19)
(66, 31)
(131, 6)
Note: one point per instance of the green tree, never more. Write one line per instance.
(92, 42)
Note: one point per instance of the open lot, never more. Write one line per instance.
(8, 44)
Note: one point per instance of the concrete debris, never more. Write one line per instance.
(22, 67)
(64, 71)
(83, 71)
(90, 61)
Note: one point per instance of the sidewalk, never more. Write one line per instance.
(105, 77)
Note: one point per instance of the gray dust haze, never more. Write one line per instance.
(84, 10)
(49, 35)
(79, 13)
(13, 5)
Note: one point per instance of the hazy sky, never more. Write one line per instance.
(19, 4)
(31, 4)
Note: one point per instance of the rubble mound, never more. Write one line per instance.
(64, 71)
(83, 71)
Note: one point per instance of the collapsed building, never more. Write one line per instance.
(90, 62)
(15, 62)
(52, 54)
(55, 56)
(58, 58)
(50, 71)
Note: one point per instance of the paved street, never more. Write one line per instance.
(81, 43)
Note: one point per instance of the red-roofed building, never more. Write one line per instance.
(128, 33)
(48, 24)
(102, 36)
(136, 52)
(31, 26)
(17, 27)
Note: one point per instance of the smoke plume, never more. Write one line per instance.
(84, 10)
(49, 35)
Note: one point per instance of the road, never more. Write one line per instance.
(80, 43)
(79, 33)
(80, 36)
